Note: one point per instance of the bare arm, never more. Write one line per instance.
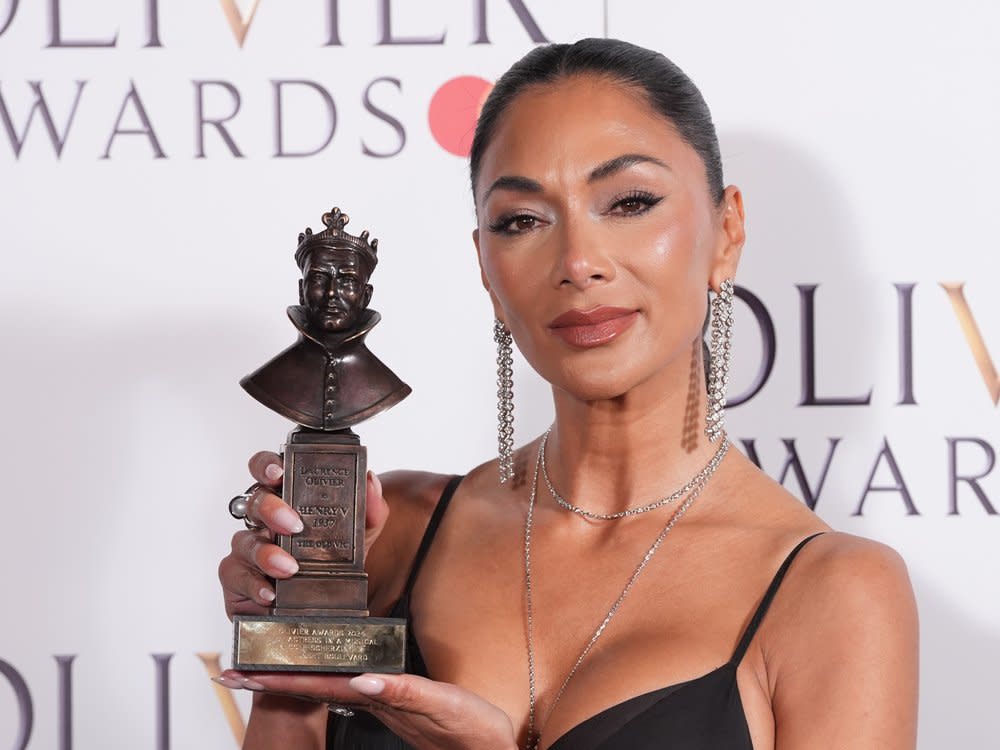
(842, 659)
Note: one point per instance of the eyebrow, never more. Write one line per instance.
(613, 166)
(600, 172)
(514, 182)
(345, 268)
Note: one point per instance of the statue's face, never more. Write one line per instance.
(335, 289)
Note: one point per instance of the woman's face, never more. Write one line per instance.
(597, 237)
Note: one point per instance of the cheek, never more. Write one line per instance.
(674, 279)
(676, 248)
(662, 245)
(504, 276)
(661, 253)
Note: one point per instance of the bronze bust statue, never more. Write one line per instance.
(328, 380)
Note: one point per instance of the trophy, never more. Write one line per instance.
(326, 382)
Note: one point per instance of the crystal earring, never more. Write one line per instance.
(505, 400)
(720, 348)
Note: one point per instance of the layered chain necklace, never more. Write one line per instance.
(693, 488)
(700, 478)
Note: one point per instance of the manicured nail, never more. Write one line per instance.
(228, 683)
(266, 594)
(289, 519)
(250, 684)
(286, 564)
(367, 685)
(273, 471)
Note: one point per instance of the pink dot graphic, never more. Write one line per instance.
(454, 110)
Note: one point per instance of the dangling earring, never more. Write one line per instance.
(721, 348)
(505, 400)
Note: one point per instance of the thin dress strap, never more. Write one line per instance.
(432, 527)
(751, 630)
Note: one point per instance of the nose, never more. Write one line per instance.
(582, 258)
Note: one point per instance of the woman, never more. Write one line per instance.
(637, 585)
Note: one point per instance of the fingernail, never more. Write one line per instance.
(286, 565)
(227, 683)
(377, 482)
(289, 519)
(250, 684)
(273, 471)
(367, 685)
(266, 594)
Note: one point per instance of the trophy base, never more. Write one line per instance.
(289, 643)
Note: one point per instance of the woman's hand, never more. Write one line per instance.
(245, 571)
(424, 713)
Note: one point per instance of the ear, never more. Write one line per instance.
(367, 296)
(497, 309)
(302, 296)
(730, 240)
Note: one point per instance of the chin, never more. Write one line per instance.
(597, 384)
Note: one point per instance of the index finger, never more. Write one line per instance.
(267, 468)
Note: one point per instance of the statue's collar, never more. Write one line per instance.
(329, 340)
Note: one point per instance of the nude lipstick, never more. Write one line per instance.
(594, 327)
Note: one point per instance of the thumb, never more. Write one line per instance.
(404, 692)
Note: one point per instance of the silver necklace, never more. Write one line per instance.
(697, 479)
(533, 738)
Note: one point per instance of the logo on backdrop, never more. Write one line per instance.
(160, 689)
(44, 117)
(885, 460)
(453, 112)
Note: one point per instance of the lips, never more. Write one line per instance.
(594, 327)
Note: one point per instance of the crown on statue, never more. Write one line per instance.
(335, 238)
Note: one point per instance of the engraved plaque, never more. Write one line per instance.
(314, 644)
(321, 486)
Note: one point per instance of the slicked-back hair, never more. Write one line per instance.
(665, 87)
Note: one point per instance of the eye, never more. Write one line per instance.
(634, 203)
(514, 224)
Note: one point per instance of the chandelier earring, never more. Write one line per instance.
(720, 355)
(505, 400)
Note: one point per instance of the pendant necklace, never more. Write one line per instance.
(694, 488)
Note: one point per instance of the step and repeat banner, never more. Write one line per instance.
(158, 160)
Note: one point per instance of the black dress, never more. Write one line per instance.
(705, 713)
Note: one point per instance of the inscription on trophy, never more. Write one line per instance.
(280, 645)
(322, 491)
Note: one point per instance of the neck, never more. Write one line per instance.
(608, 456)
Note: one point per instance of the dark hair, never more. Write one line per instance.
(665, 87)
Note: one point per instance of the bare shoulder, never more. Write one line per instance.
(412, 492)
(411, 497)
(840, 647)
(836, 654)
(859, 579)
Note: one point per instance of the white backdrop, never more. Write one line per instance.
(145, 272)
